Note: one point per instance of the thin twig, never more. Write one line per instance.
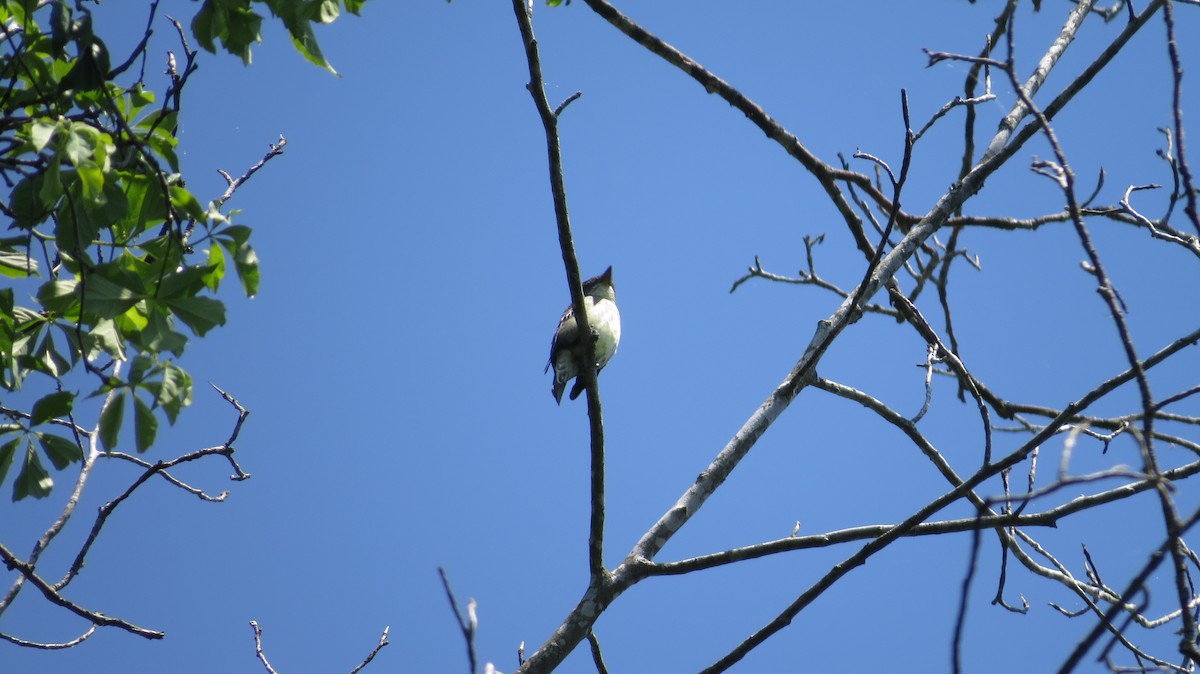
(383, 641)
(48, 646)
(598, 574)
(55, 597)
(466, 624)
(275, 150)
(597, 656)
(258, 647)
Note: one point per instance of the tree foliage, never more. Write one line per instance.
(113, 263)
(120, 259)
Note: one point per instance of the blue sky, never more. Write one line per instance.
(392, 362)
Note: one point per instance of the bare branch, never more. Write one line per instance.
(537, 90)
(275, 150)
(467, 624)
(383, 641)
(47, 646)
(53, 596)
(258, 649)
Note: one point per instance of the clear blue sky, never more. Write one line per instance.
(411, 281)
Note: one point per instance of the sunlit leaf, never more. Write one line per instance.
(187, 202)
(16, 264)
(215, 269)
(140, 96)
(83, 143)
(41, 132)
(58, 296)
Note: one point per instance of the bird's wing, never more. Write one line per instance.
(565, 335)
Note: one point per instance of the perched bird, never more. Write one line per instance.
(600, 299)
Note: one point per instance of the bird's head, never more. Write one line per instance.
(601, 287)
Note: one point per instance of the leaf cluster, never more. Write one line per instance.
(111, 263)
(236, 25)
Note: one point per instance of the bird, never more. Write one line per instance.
(600, 300)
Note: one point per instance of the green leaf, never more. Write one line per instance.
(77, 225)
(297, 17)
(83, 143)
(139, 367)
(160, 127)
(61, 451)
(60, 26)
(207, 25)
(145, 206)
(159, 336)
(26, 204)
(7, 451)
(73, 346)
(90, 69)
(110, 294)
(104, 338)
(47, 359)
(16, 263)
(212, 276)
(175, 391)
(52, 186)
(246, 263)
(58, 297)
(159, 119)
(187, 202)
(57, 404)
(91, 179)
(33, 480)
(186, 283)
(141, 96)
(245, 260)
(145, 425)
(234, 24)
(244, 29)
(305, 41)
(201, 314)
(111, 419)
(8, 327)
(236, 235)
(165, 251)
(41, 132)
